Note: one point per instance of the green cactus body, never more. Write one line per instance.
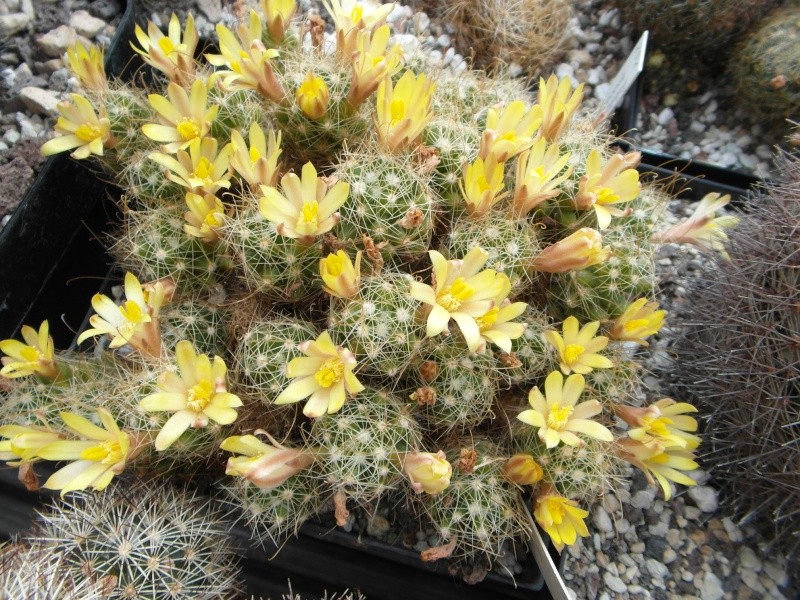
(379, 326)
(389, 203)
(198, 322)
(146, 181)
(456, 144)
(264, 351)
(237, 110)
(479, 508)
(361, 444)
(280, 267)
(127, 110)
(531, 358)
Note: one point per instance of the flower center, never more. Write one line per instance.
(203, 170)
(487, 320)
(572, 352)
(539, 172)
(558, 416)
(556, 511)
(635, 324)
(656, 426)
(166, 45)
(307, 221)
(356, 14)
(330, 373)
(108, 453)
(200, 395)
(397, 110)
(88, 132)
(254, 155)
(334, 265)
(606, 195)
(188, 129)
(132, 312)
(30, 354)
(453, 296)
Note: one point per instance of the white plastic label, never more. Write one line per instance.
(626, 77)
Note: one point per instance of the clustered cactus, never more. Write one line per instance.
(410, 253)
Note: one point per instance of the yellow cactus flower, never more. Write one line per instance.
(560, 518)
(352, 16)
(324, 376)
(577, 251)
(278, 15)
(664, 422)
(184, 117)
(428, 472)
(172, 54)
(556, 415)
(460, 291)
(495, 324)
(307, 208)
(36, 355)
(540, 171)
(313, 96)
(196, 394)
(87, 64)
(205, 216)
(264, 465)
(509, 132)
(558, 105)
(483, 185)
(656, 461)
(341, 278)
(82, 128)
(24, 442)
(136, 322)
(577, 350)
(372, 63)
(99, 454)
(404, 110)
(640, 320)
(247, 60)
(202, 170)
(702, 229)
(522, 469)
(258, 163)
(603, 186)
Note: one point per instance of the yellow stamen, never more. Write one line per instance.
(334, 265)
(556, 511)
(307, 221)
(558, 416)
(203, 170)
(656, 426)
(131, 311)
(451, 297)
(88, 132)
(188, 129)
(200, 395)
(572, 352)
(606, 196)
(486, 321)
(357, 14)
(398, 110)
(108, 453)
(254, 155)
(330, 373)
(635, 324)
(166, 45)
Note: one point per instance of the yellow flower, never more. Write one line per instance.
(172, 54)
(640, 320)
(509, 132)
(184, 118)
(264, 465)
(577, 251)
(258, 164)
(404, 110)
(483, 185)
(313, 96)
(603, 186)
(522, 469)
(278, 14)
(36, 355)
(352, 16)
(557, 105)
(372, 63)
(307, 208)
(702, 229)
(495, 324)
(459, 292)
(560, 518)
(340, 277)
(665, 464)
(556, 415)
(664, 422)
(205, 216)
(196, 394)
(324, 376)
(539, 173)
(248, 60)
(577, 350)
(135, 322)
(428, 472)
(87, 65)
(202, 169)
(99, 454)
(82, 129)
(24, 442)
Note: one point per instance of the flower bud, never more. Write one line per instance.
(340, 276)
(264, 465)
(522, 469)
(312, 96)
(428, 472)
(582, 249)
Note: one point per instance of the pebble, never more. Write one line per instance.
(665, 116)
(39, 101)
(13, 23)
(614, 583)
(711, 587)
(85, 24)
(55, 42)
(705, 497)
(601, 520)
(656, 569)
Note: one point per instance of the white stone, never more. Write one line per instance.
(705, 498)
(656, 569)
(39, 100)
(13, 23)
(601, 520)
(644, 498)
(748, 559)
(55, 42)
(212, 9)
(665, 116)
(614, 583)
(11, 136)
(711, 587)
(85, 24)
(669, 557)
(733, 531)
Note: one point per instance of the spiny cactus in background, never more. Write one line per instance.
(497, 33)
(766, 67)
(200, 323)
(739, 360)
(151, 539)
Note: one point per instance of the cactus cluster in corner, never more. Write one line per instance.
(349, 272)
